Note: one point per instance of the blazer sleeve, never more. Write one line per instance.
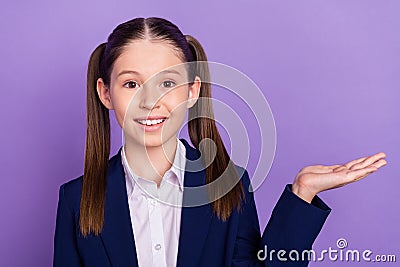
(65, 245)
(294, 225)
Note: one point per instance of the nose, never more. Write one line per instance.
(149, 97)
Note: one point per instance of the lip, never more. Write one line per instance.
(151, 128)
(154, 117)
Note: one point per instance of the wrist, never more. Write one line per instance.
(302, 192)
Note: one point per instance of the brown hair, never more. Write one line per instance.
(201, 122)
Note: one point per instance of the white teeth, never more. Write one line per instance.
(150, 122)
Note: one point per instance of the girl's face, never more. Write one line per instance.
(149, 92)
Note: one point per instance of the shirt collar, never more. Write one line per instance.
(178, 168)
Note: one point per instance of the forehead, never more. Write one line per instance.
(146, 57)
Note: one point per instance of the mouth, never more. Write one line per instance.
(151, 124)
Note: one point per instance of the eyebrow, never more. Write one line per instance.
(137, 73)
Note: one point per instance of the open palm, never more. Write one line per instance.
(312, 180)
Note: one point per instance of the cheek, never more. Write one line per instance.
(176, 100)
(120, 105)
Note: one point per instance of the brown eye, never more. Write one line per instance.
(168, 84)
(131, 84)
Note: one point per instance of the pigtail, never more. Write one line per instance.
(97, 152)
(201, 125)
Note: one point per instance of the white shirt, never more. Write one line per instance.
(156, 212)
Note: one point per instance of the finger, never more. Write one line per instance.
(379, 163)
(340, 168)
(358, 174)
(351, 163)
(368, 161)
(320, 168)
(361, 177)
(334, 167)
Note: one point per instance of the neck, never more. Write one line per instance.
(151, 162)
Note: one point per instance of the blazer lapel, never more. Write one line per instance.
(117, 234)
(195, 221)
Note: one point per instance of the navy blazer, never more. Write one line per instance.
(204, 239)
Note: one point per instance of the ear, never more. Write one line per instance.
(104, 93)
(194, 92)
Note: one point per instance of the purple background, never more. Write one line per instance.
(329, 69)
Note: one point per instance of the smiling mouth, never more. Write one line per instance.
(151, 122)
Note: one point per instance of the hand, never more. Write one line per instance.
(317, 178)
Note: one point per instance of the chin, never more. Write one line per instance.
(151, 140)
(148, 139)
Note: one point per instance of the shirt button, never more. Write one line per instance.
(157, 247)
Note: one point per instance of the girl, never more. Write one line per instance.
(138, 208)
